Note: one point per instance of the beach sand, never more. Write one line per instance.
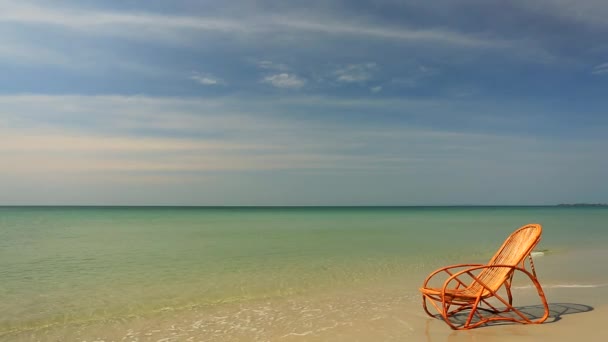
(576, 287)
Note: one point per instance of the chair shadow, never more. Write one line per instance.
(533, 312)
(556, 311)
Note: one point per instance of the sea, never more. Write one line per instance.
(249, 273)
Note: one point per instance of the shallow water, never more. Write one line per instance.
(72, 268)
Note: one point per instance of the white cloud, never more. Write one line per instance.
(600, 69)
(356, 73)
(285, 80)
(207, 79)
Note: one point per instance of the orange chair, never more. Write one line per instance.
(476, 287)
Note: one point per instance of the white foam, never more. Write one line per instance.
(564, 286)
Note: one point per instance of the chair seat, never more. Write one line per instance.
(464, 294)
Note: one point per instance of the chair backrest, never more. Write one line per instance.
(512, 252)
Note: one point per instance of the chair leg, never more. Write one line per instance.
(425, 307)
(475, 311)
(445, 312)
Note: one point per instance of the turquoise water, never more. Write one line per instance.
(61, 265)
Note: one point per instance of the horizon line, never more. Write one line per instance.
(294, 206)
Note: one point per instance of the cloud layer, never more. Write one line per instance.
(328, 102)
(188, 141)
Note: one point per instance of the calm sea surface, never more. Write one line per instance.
(65, 265)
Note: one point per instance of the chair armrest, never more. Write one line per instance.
(448, 270)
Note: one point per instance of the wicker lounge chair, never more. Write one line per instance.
(470, 295)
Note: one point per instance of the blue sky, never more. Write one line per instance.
(303, 102)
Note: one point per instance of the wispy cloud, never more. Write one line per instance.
(107, 22)
(23, 50)
(591, 12)
(109, 140)
(356, 73)
(285, 80)
(337, 27)
(375, 89)
(141, 24)
(207, 79)
(416, 76)
(47, 141)
(137, 135)
(600, 69)
(269, 65)
(22, 53)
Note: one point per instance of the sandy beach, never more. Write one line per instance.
(340, 318)
(576, 289)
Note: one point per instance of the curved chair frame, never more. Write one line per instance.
(469, 286)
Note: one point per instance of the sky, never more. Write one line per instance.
(378, 102)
